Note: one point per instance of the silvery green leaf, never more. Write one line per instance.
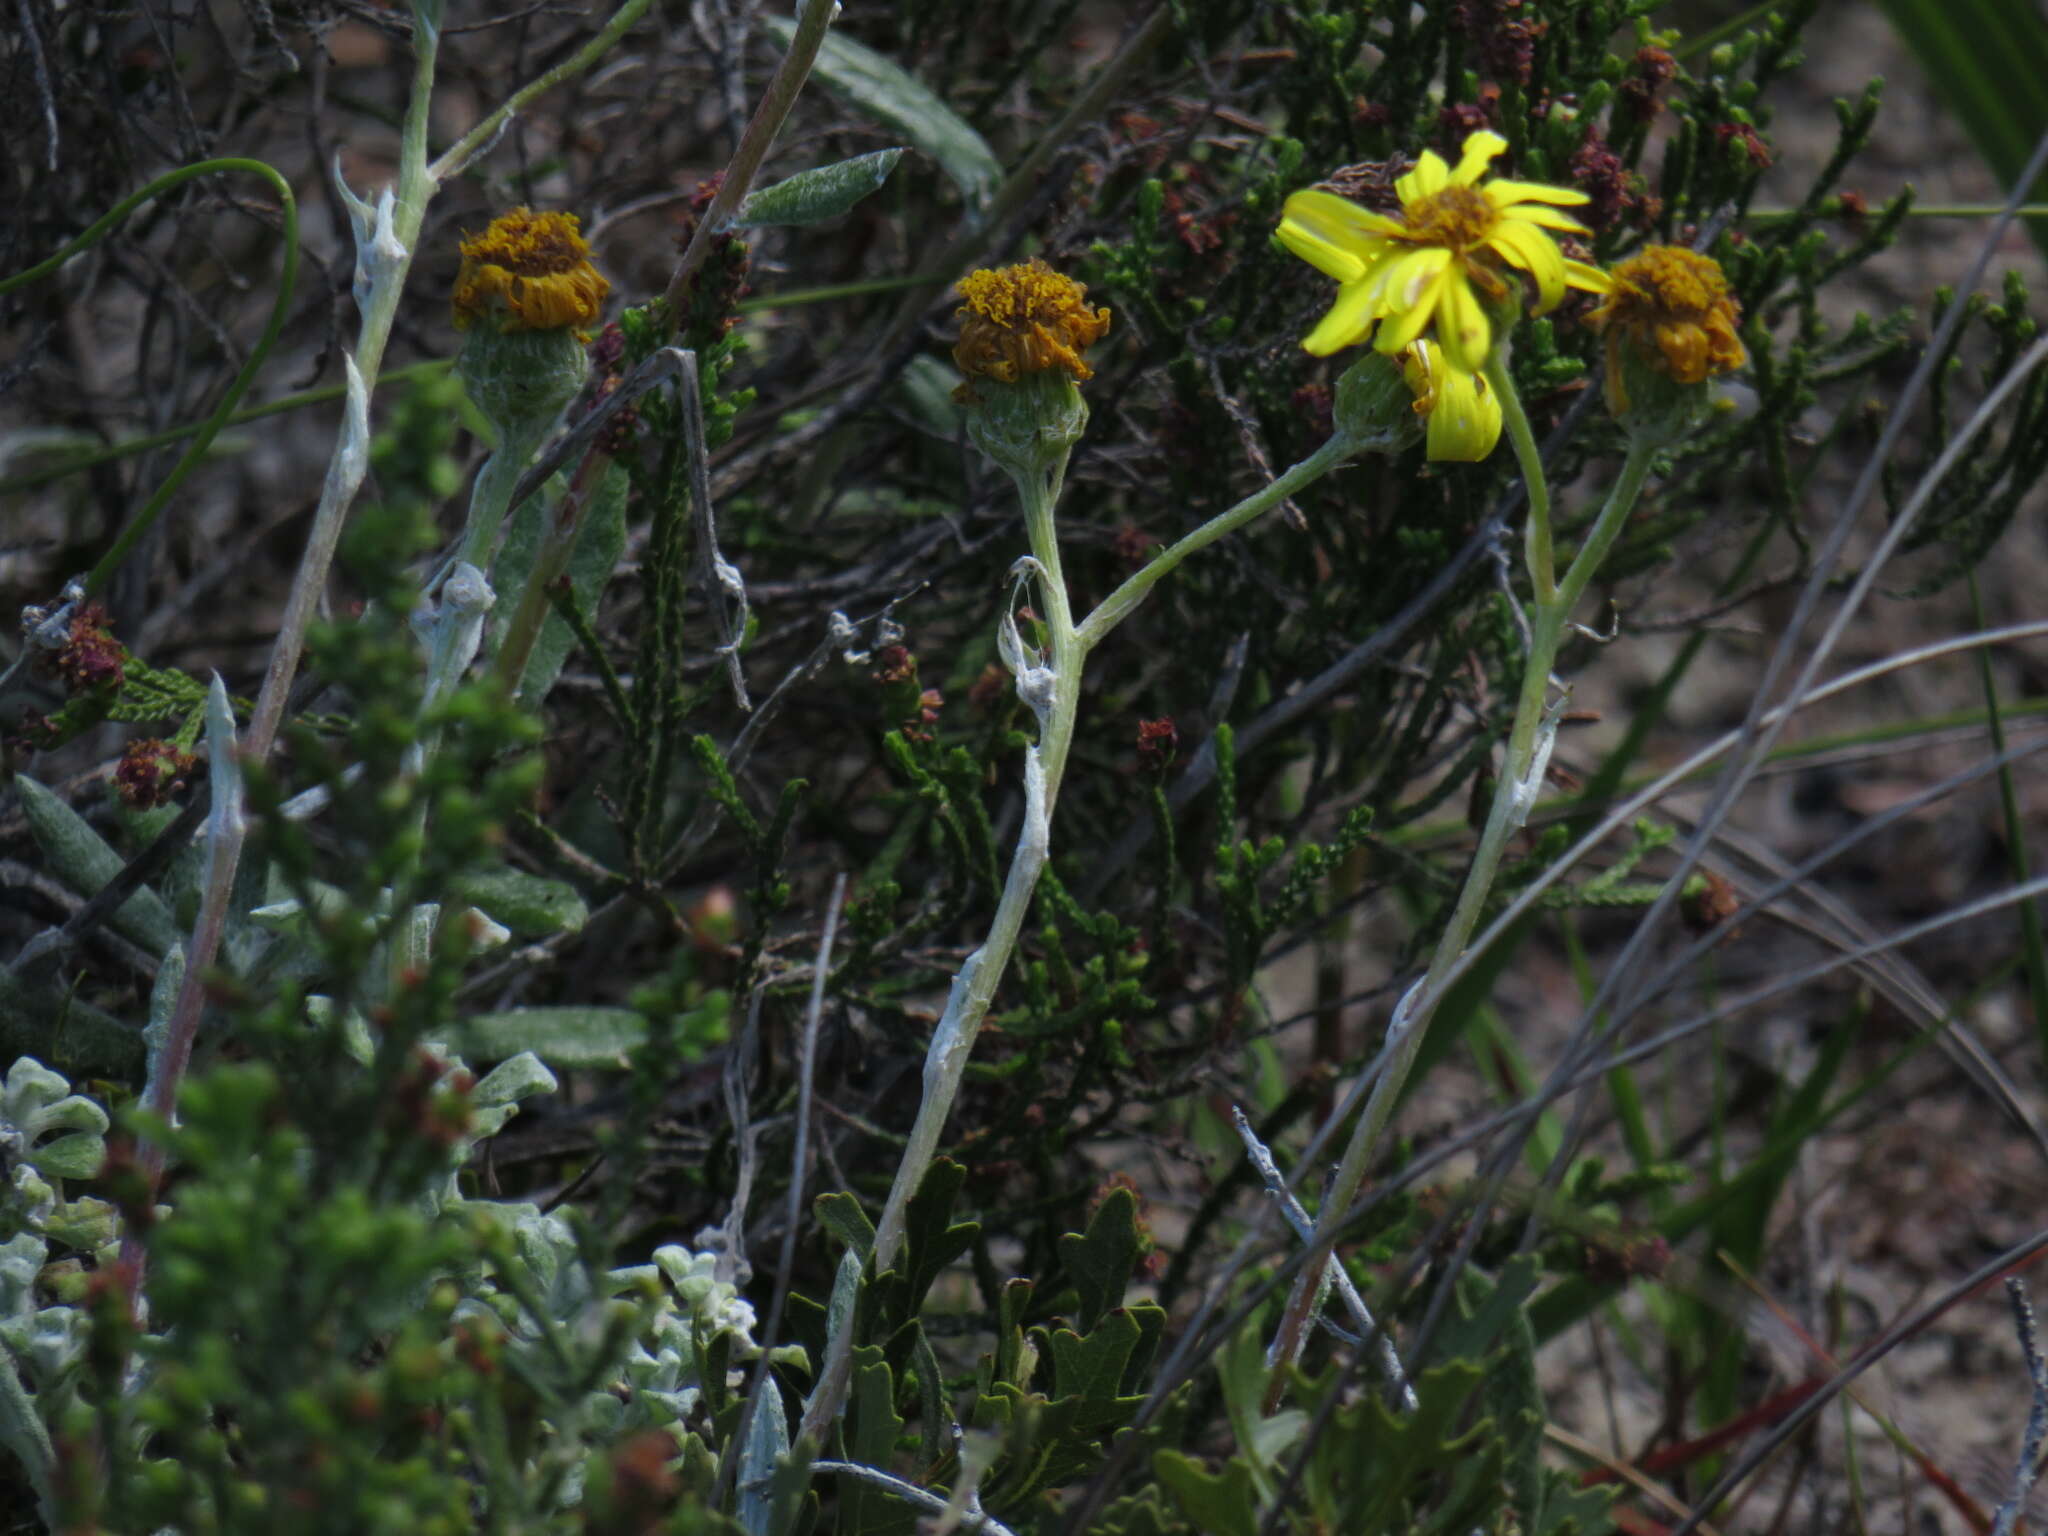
(85, 1224)
(76, 1156)
(21, 1259)
(767, 1440)
(869, 82)
(566, 1037)
(85, 861)
(35, 1101)
(532, 906)
(512, 1080)
(823, 192)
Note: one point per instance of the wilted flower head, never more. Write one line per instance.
(1670, 309)
(529, 272)
(1437, 259)
(1024, 319)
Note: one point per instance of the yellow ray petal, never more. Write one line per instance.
(1328, 259)
(1337, 219)
(1545, 218)
(1397, 284)
(1504, 193)
(1536, 254)
(1462, 326)
(1429, 177)
(1480, 150)
(1587, 279)
(1346, 323)
(1403, 326)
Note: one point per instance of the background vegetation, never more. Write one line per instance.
(691, 907)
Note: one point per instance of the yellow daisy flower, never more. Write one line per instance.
(1436, 261)
(1463, 411)
(1672, 307)
(1024, 319)
(529, 272)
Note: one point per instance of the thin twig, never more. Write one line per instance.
(910, 1493)
(2037, 1416)
(1304, 1228)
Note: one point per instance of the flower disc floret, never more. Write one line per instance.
(529, 272)
(1024, 319)
(1673, 309)
(1450, 248)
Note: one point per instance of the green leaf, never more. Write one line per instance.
(532, 906)
(1093, 1367)
(1988, 61)
(85, 861)
(840, 1214)
(931, 1240)
(1220, 1503)
(871, 84)
(824, 192)
(1100, 1262)
(562, 1037)
(873, 1426)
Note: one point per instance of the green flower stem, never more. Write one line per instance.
(492, 494)
(974, 988)
(1514, 794)
(415, 189)
(1542, 567)
(486, 132)
(344, 476)
(1116, 607)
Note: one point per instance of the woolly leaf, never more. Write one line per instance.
(824, 192)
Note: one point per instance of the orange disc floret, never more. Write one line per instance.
(1025, 319)
(1674, 307)
(529, 272)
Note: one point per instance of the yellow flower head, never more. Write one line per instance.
(1673, 308)
(1463, 411)
(1025, 319)
(529, 272)
(1435, 261)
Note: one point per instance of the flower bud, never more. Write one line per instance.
(1374, 409)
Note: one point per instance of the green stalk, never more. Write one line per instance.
(1537, 541)
(974, 987)
(1116, 607)
(1520, 781)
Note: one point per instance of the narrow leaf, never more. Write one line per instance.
(85, 861)
(823, 192)
(563, 1037)
(867, 81)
